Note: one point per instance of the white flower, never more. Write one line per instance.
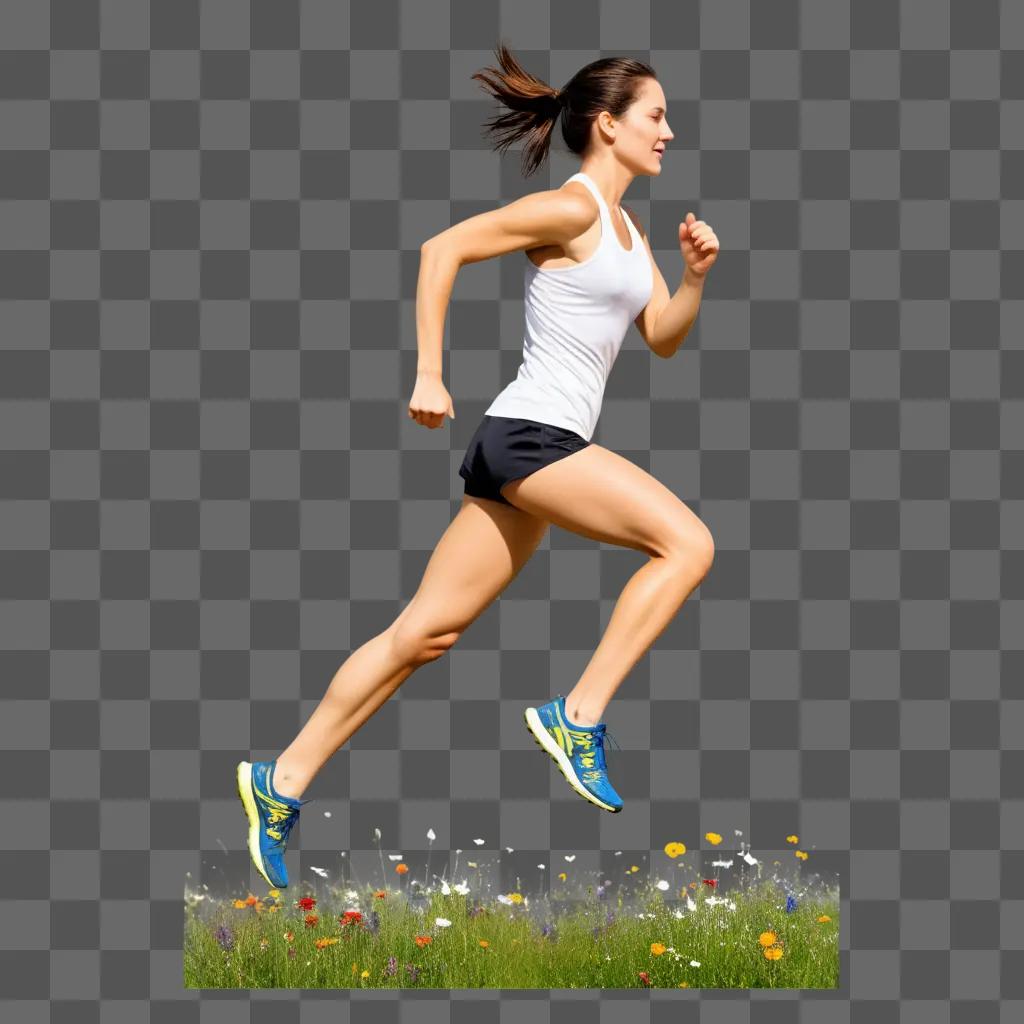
(479, 842)
(570, 857)
(471, 863)
(618, 853)
(695, 963)
(320, 871)
(351, 895)
(430, 834)
(462, 889)
(442, 922)
(502, 898)
(327, 814)
(542, 866)
(509, 848)
(376, 832)
(749, 859)
(662, 885)
(721, 863)
(394, 856)
(445, 890)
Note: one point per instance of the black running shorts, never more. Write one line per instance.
(505, 448)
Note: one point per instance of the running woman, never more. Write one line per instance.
(589, 271)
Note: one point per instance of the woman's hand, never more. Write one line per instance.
(699, 245)
(430, 401)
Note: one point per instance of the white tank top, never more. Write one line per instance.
(576, 319)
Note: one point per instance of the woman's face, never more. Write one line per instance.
(644, 132)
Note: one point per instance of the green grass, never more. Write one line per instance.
(593, 942)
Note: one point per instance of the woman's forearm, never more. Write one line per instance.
(676, 319)
(438, 268)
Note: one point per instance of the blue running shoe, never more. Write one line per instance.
(271, 817)
(578, 751)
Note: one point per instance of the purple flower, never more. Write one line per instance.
(414, 971)
(392, 965)
(609, 917)
(790, 904)
(225, 937)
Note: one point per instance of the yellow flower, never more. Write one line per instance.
(365, 974)
(561, 876)
(713, 838)
(767, 938)
(325, 942)
(792, 839)
(275, 893)
(516, 897)
(675, 849)
(484, 943)
(634, 868)
(801, 854)
(684, 984)
(657, 948)
(773, 952)
(824, 917)
(239, 904)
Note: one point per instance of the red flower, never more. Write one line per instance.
(713, 882)
(311, 920)
(351, 917)
(645, 977)
(306, 903)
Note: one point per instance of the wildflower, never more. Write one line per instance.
(634, 869)
(414, 971)
(695, 963)
(327, 941)
(645, 978)
(423, 940)
(684, 984)
(442, 922)
(311, 920)
(251, 900)
(547, 930)
(713, 838)
(392, 965)
(674, 850)
(239, 904)
(379, 894)
(562, 876)
(792, 839)
(365, 974)
(401, 868)
(713, 882)
(657, 948)
(801, 854)
(823, 918)
(661, 884)
(351, 917)
(767, 938)
(516, 897)
(306, 903)
(484, 943)
(773, 952)
(225, 937)
(289, 936)
(263, 944)
(322, 872)
(790, 904)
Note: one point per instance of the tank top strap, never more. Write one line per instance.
(608, 229)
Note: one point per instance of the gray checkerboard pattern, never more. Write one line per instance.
(210, 215)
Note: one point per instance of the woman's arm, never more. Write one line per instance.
(551, 217)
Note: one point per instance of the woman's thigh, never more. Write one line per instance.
(480, 553)
(602, 495)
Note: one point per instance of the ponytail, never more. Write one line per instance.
(534, 106)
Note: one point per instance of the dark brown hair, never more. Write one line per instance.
(610, 83)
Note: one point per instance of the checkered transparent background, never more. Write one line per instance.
(210, 216)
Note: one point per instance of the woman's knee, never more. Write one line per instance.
(690, 543)
(413, 644)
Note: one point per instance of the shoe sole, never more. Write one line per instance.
(243, 775)
(543, 740)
